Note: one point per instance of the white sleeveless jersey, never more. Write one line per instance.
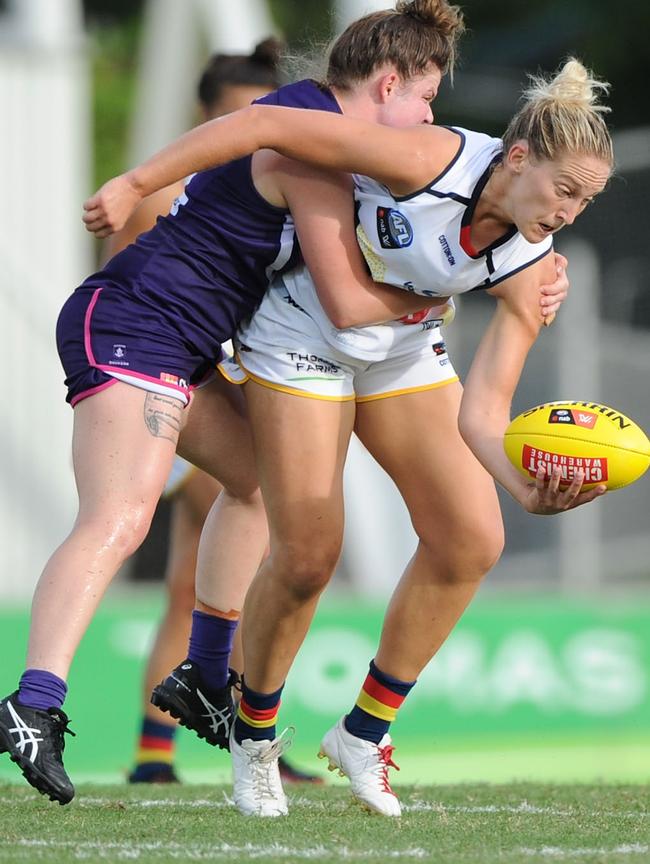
(420, 242)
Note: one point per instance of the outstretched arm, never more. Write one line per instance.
(403, 159)
(490, 386)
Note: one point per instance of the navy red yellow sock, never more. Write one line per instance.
(257, 714)
(155, 750)
(211, 640)
(377, 705)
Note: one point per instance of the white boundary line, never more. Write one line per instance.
(558, 854)
(522, 809)
(209, 851)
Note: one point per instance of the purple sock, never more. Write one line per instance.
(210, 646)
(41, 689)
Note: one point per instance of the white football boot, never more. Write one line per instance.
(257, 787)
(365, 764)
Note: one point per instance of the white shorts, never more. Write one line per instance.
(282, 348)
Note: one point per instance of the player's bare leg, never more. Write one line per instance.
(217, 438)
(454, 508)
(123, 444)
(300, 444)
(455, 511)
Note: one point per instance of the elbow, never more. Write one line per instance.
(468, 424)
(255, 123)
(263, 127)
(340, 313)
(342, 319)
(478, 422)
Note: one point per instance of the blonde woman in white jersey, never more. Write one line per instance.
(556, 157)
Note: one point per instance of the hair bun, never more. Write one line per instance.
(268, 52)
(433, 13)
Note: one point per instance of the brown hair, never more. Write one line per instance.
(411, 37)
(562, 115)
(259, 69)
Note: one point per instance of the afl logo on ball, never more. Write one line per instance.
(574, 418)
(393, 228)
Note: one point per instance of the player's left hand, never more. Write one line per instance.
(552, 296)
(546, 498)
(108, 209)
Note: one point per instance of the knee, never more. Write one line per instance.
(246, 495)
(119, 533)
(466, 553)
(485, 544)
(132, 528)
(304, 568)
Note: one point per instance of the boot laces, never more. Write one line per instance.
(385, 762)
(60, 727)
(265, 778)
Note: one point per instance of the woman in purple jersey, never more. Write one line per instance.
(556, 156)
(137, 337)
(228, 82)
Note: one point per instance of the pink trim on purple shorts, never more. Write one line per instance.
(76, 399)
(118, 373)
(128, 373)
(87, 343)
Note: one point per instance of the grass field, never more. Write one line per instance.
(481, 824)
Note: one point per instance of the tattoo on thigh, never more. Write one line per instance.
(162, 416)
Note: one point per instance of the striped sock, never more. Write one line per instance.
(257, 714)
(155, 748)
(377, 705)
(210, 646)
(41, 689)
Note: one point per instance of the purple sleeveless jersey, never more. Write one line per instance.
(157, 313)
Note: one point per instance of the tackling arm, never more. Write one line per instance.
(403, 159)
(322, 206)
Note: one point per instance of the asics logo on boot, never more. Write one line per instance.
(23, 735)
(216, 717)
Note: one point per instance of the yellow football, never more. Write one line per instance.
(610, 448)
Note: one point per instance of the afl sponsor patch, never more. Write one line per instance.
(393, 228)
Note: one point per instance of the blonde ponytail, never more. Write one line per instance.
(563, 115)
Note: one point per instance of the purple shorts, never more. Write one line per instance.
(103, 337)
